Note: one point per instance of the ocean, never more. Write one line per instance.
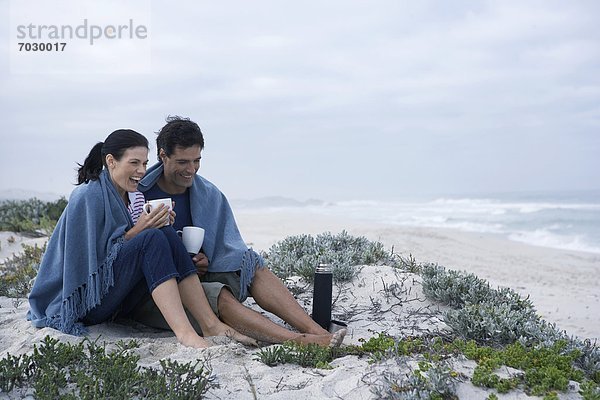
(563, 220)
(552, 219)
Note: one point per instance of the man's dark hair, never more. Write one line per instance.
(180, 132)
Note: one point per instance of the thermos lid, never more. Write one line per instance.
(323, 269)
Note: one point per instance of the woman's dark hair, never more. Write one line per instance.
(178, 132)
(116, 143)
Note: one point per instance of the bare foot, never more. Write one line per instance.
(193, 340)
(328, 340)
(317, 330)
(337, 338)
(225, 330)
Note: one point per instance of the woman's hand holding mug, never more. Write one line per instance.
(167, 203)
(154, 219)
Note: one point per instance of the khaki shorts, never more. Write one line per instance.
(229, 279)
(147, 313)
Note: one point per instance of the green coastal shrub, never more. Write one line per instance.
(33, 216)
(545, 369)
(88, 371)
(430, 381)
(300, 255)
(489, 316)
(308, 355)
(501, 319)
(314, 356)
(457, 289)
(18, 271)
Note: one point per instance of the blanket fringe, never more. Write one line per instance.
(251, 260)
(87, 296)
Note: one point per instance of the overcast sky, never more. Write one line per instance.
(333, 99)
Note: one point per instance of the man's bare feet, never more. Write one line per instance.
(337, 338)
(225, 330)
(328, 340)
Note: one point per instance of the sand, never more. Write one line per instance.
(562, 284)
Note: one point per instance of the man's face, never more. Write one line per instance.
(180, 168)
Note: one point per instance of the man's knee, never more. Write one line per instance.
(263, 276)
(262, 272)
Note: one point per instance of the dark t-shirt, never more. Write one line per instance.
(182, 205)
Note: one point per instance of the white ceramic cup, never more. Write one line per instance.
(192, 238)
(151, 204)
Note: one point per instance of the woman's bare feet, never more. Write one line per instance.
(328, 340)
(193, 340)
(222, 329)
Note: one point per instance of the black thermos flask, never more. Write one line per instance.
(321, 312)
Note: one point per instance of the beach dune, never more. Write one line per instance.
(562, 285)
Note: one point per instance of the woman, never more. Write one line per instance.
(98, 253)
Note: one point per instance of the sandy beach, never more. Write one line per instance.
(563, 286)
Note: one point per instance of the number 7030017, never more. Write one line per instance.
(43, 46)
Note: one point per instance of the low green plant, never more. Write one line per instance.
(545, 369)
(408, 264)
(377, 346)
(589, 391)
(33, 217)
(86, 370)
(13, 372)
(383, 346)
(272, 355)
(500, 317)
(177, 381)
(300, 255)
(494, 323)
(305, 355)
(19, 270)
(430, 381)
(457, 289)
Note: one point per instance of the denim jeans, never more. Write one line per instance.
(155, 255)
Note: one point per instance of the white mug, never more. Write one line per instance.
(151, 204)
(192, 238)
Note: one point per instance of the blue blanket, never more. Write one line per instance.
(223, 244)
(77, 268)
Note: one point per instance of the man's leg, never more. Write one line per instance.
(271, 294)
(250, 323)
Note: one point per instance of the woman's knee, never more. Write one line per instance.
(153, 237)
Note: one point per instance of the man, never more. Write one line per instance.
(229, 270)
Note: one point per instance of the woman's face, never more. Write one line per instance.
(127, 172)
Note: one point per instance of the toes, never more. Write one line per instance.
(337, 338)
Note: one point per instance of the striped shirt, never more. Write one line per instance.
(136, 205)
